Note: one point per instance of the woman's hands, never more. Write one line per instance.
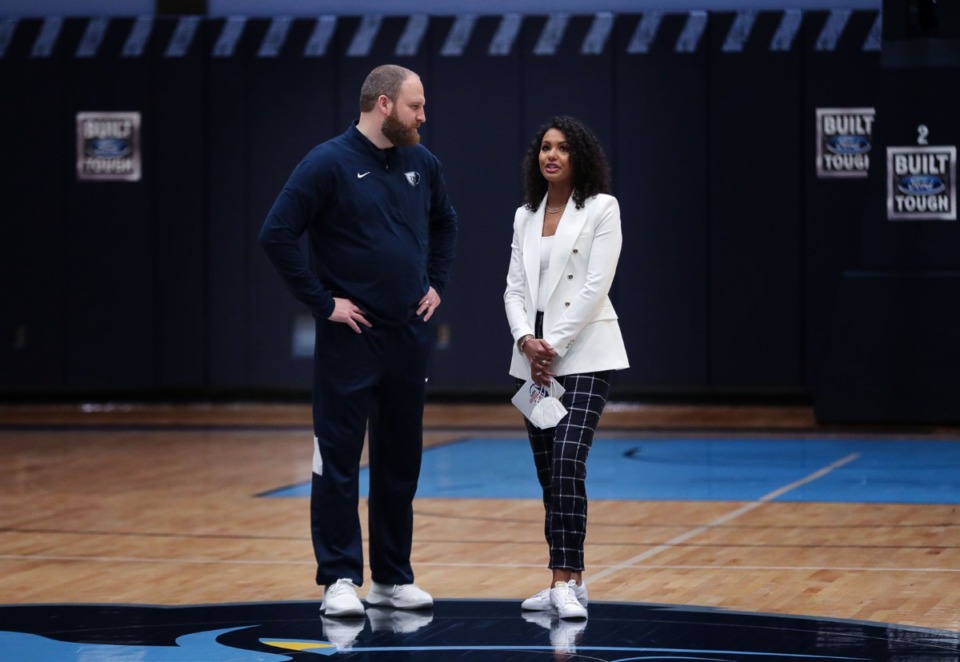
(540, 355)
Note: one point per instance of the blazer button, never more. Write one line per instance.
(566, 303)
(576, 250)
(569, 276)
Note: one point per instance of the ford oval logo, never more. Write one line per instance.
(848, 144)
(920, 184)
(108, 148)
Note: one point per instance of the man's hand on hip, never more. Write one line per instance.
(428, 304)
(346, 312)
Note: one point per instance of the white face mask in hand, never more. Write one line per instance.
(541, 406)
(547, 413)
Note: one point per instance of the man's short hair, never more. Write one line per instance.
(385, 79)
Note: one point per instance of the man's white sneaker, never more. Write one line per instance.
(342, 632)
(399, 596)
(565, 601)
(398, 621)
(340, 600)
(541, 601)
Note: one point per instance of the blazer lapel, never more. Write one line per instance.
(531, 250)
(571, 224)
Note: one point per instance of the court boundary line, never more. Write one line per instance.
(723, 519)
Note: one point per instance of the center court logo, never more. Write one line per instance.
(456, 629)
(844, 140)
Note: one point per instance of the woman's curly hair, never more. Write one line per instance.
(591, 172)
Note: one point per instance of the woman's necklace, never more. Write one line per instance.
(555, 210)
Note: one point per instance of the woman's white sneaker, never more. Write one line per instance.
(541, 601)
(564, 600)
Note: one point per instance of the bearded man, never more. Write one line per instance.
(381, 235)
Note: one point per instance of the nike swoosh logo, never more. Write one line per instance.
(361, 175)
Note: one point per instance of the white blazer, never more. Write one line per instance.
(579, 321)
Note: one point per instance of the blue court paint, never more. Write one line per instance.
(703, 469)
(188, 648)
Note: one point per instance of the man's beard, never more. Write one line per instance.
(399, 133)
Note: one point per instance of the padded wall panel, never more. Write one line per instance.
(38, 151)
(228, 236)
(918, 99)
(473, 111)
(660, 172)
(567, 80)
(179, 176)
(755, 257)
(838, 74)
(892, 355)
(110, 229)
(291, 101)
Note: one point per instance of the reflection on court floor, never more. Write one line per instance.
(453, 630)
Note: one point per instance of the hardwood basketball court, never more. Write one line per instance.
(159, 505)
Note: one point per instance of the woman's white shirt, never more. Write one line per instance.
(546, 246)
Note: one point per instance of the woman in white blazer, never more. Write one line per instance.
(566, 243)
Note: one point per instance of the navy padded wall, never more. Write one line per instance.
(839, 73)
(567, 80)
(912, 93)
(34, 247)
(893, 355)
(473, 111)
(228, 240)
(110, 229)
(659, 173)
(755, 257)
(179, 178)
(291, 101)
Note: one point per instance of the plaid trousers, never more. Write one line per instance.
(560, 457)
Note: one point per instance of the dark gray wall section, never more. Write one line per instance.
(179, 199)
(913, 94)
(892, 354)
(38, 146)
(476, 132)
(111, 259)
(660, 176)
(755, 163)
(832, 207)
(291, 107)
(228, 127)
